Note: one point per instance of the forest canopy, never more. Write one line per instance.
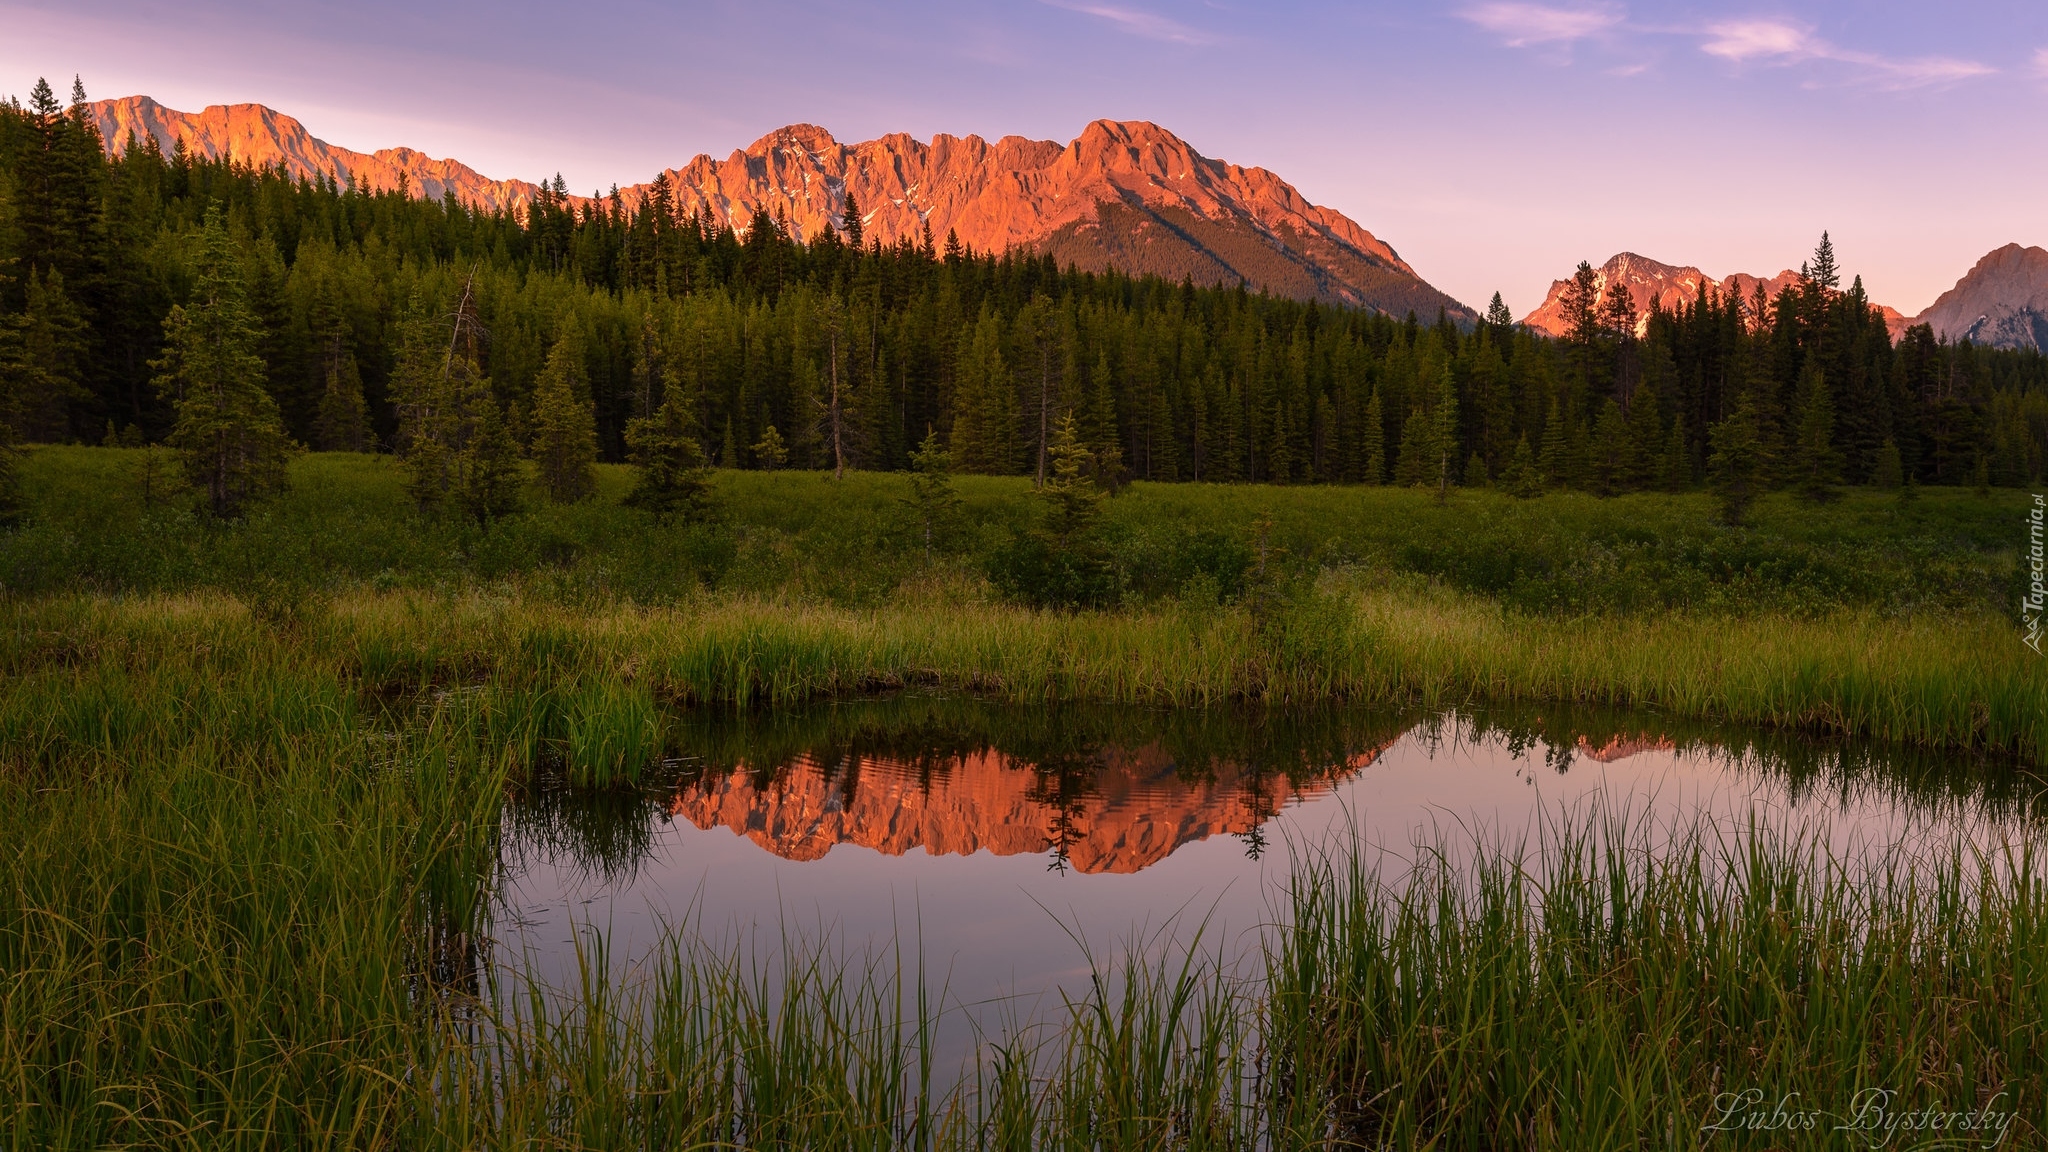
(843, 352)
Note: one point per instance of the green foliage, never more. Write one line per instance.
(1814, 464)
(1063, 562)
(932, 493)
(769, 451)
(671, 475)
(1890, 471)
(228, 435)
(1739, 463)
(564, 432)
(1522, 478)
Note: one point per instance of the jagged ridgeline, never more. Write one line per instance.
(812, 343)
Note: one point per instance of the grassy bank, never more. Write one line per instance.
(254, 775)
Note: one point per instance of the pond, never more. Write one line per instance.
(1003, 847)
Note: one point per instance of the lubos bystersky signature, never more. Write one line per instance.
(1873, 1120)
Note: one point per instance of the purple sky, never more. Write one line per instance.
(1493, 143)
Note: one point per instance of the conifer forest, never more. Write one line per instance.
(844, 353)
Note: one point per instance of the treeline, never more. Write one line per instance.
(841, 351)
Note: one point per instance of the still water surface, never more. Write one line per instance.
(1001, 846)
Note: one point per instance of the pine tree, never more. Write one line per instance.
(56, 349)
(849, 220)
(564, 427)
(1642, 459)
(343, 423)
(1375, 437)
(1444, 431)
(769, 451)
(1814, 466)
(1557, 468)
(985, 412)
(1416, 466)
(228, 436)
(1610, 450)
(1073, 502)
(1890, 470)
(1497, 314)
(1739, 463)
(1674, 468)
(1522, 478)
(1821, 269)
(488, 465)
(932, 491)
(674, 478)
(1475, 471)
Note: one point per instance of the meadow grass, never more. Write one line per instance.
(254, 779)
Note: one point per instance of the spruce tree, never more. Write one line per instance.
(985, 411)
(1375, 437)
(1642, 459)
(932, 491)
(1610, 450)
(488, 465)
(1739, 463)
(1497, 314)
(1416, 466)
(228, 435)
(1814, 467)
(343, 422)
(1522, 478)
(1556, 448)
(1890, 471)
(1674, 468)
(564, 427)
(1444, 431)
(769, 451)
(849, 220)
(674, 477)
(1073, 502)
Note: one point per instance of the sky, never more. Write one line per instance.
(1493, 143)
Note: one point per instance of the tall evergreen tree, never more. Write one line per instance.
(985, 404)
(564, 430)
(343, 423)
(228, 436)
(1375, 441)
(1813, 465)
(674, 477)
(1739, 462)
(933, 496)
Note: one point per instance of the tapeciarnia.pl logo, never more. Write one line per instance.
(2037, 590)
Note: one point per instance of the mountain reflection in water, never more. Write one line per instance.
(1129, 810)
(1110, 790)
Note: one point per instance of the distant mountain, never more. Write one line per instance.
(1671, 286)
(2002, 302)
(1128, 195)
(255, 134)
(1125, 195)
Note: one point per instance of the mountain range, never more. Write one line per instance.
(2002, 302)
(1124, 194)
(1128, 195)
(1670, 286)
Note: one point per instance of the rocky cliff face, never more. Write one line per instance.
(1135, 813)
(255, 134)
(1671, 287)
(1131, 196)
(2003, 301)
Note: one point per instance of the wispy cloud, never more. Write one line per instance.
(1136, 22)
(1763, 41)
(2041, 61)
(1780, 42)
(1526, 24)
